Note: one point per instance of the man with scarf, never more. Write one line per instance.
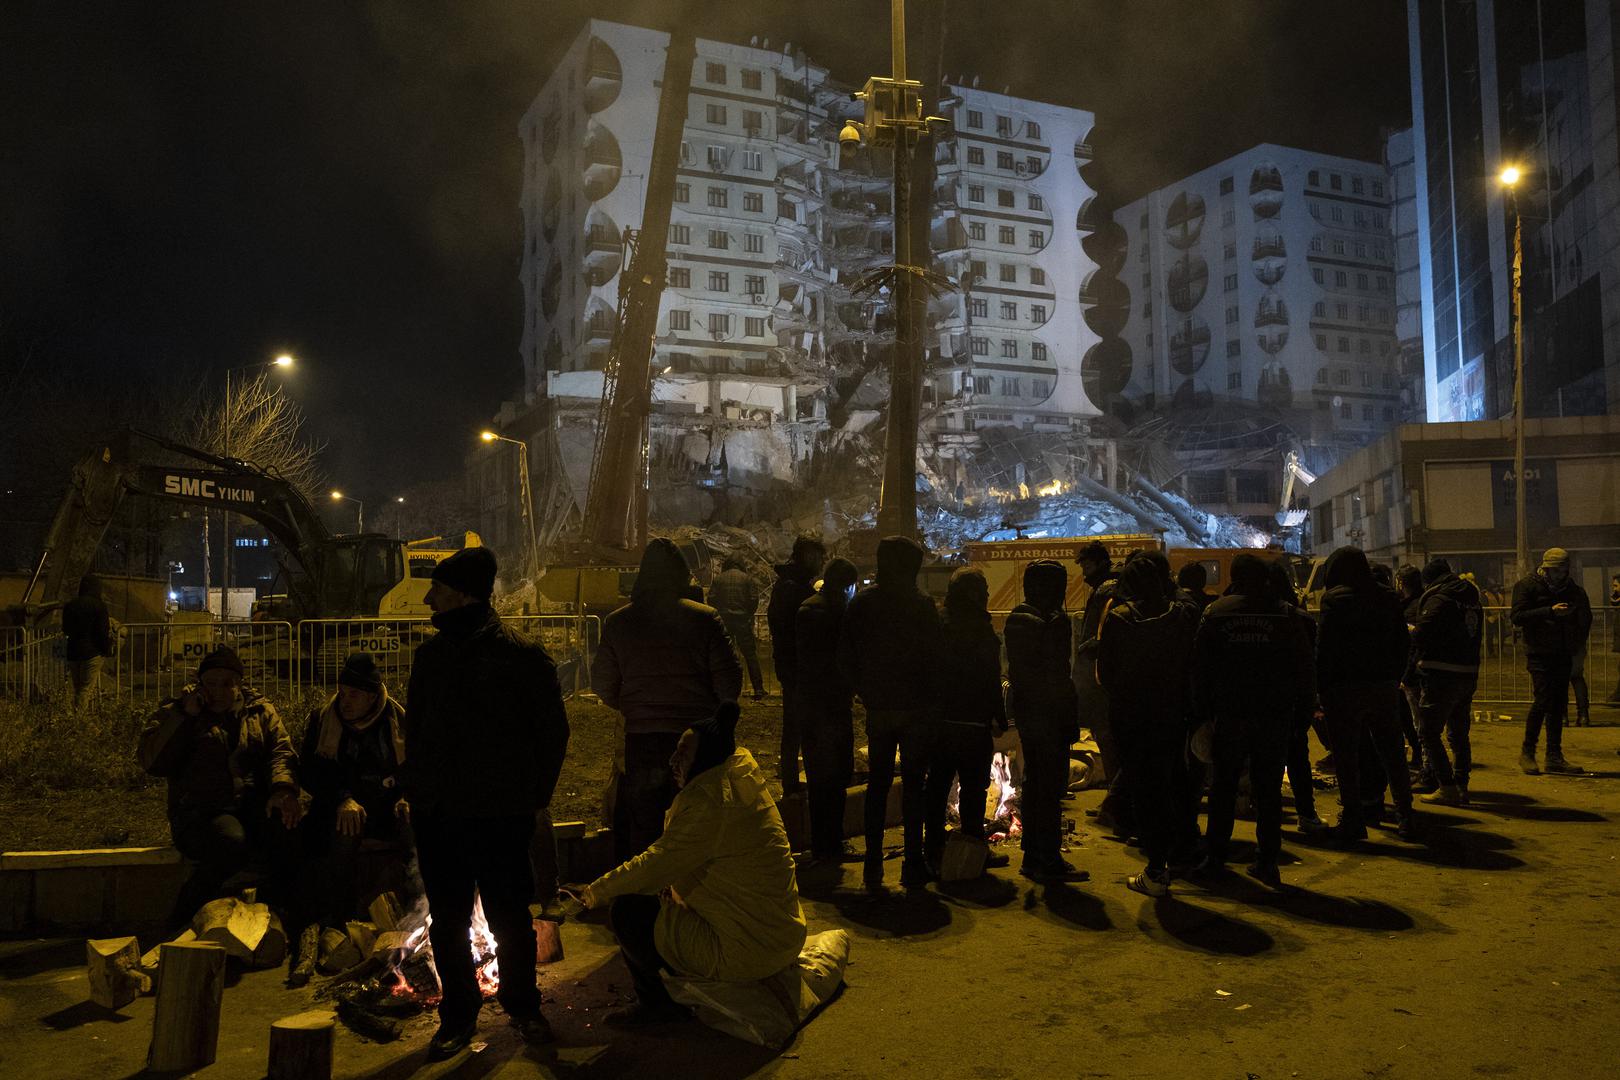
(486, 733)
(664, 661)
(715, 896)
(1042, 702)
(886, 651)
(795, 583)
(829, 731)
(349, 765)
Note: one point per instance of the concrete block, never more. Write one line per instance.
(16, 901)
(89, 857)
(76, 897)
(855, 808)
(145, 894)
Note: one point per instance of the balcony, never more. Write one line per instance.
(1265, 178)
(1271, 312)
(1189, 346)
(602, 162)
(602, 248)
(1270, 247)
(1188, 281)
(1184, 221)
(603, 76)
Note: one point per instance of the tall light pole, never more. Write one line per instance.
(359, 509)
(1510, 177)
(525, 501)
(284, 360)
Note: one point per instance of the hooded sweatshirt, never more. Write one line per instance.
(970, 659)
(1363, 637)
(1547, 632)
(86, 628)
(890, 635)
(1041, 694)
(1446, 632)
(793, 586)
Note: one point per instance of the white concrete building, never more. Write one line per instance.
(1400, 163)
(1268, 279)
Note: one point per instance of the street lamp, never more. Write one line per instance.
(282, 360)
(399, 524)
(359, 509)
(525, 499)
(1510, 177)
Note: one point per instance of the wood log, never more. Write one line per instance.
(385, 912)
(272, 949)
(364, 936)
(391, 946)
(185, 1023)
(233, 925)
(301, 1046)
(337, 951)
(149, 960)
(548, 947)
(114, 967)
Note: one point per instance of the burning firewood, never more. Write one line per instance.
(338, 951)
(385, 913)
(363, 934)
(114, 967)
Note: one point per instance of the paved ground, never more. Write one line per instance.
(1488, 951)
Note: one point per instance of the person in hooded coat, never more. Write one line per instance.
(972, 712)
(1554, 617)
(1362, 648)
(1043, 704)
(663, 662)
(1300, 781)
(795, 583)
(1446, 636)
(86, 638)
(715, 896)
(735, 596)
(1144, 663)
(829, 727)
(886, 650)
(1096, 567)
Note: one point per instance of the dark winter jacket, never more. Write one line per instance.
(218, 763)
(792, 588)
(1545, 631)
(338, 762)
(816, 633)
(1362, 636)
(1103, 590)
(664, 662)
(1252, 661)
(86, 628)
(1144, 662)
(1447, 629)
(1041, 693)
(890, 637)
(734, 594)
(969, 671)
(485, 723)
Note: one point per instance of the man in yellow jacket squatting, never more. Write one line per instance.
(715, 896)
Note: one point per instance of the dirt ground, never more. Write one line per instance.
(1486, 950)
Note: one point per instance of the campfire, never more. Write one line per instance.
(1000, 808)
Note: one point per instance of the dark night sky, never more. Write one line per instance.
(207, 183)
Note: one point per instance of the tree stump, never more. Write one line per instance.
(185, 1023)
(272, 948)
(114, 967)
(301, 1046)
(235, 926)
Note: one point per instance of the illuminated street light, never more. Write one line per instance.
(283, 360)
(525, 497)
(1509, 175)
(359, 509)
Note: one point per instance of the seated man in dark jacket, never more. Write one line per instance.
(233, 783)
(886, 651)
(1043, 705)
(829, 731)
(349, 765)
(1445, 644)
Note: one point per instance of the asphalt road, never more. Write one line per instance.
(1489, 949)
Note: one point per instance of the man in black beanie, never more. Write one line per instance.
(486, 733)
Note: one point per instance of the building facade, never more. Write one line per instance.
(1401, 165)
(1495, 83)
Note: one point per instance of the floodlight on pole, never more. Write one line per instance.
(359, 509)
(1509, 175)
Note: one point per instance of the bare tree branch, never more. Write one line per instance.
(265, 429)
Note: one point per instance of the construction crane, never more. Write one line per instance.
(616, 508)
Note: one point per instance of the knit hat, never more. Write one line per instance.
(360, 672)
(470, 571)
(1434, 570)
(1046, 583)
(1557, 557)
(223, 658)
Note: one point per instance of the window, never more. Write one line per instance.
(1316, 210)
(754, 326)
(1321, 342)
(1038, 388)
(1147, 308)
(1342, 377)
(1344, 411)
(717, 157)
(1037, 239)
(1004, 197)
(1009, 272)
(1226, 185)
(1032, 165)
(1037, 313)
(978, 308)
(1340, 278)
(1231, 282)
(680, 277)
(753, 121)
(1234, 348)
(680, 234)
(975, 118)
(683, 193)
(1007, 235)
(1232, 315)
(1012, 387)
(1366, 412)
(754, 243)
(1341, 311)
(719, 323)
(1004, 160)
(754, 285)
(977, 268)
(975, 193)
(1344, 344)
(1234, 380)
(751, 79)
(1319, 310)
(1365, 347)
(975, 155)
(1388, 381)
(1230, 250)
(1228, 219)
(1337, 214)
(1377, 220)
(715, 114)
(1009, 348)
(1037, 351)
(719, 239)
(1381, 283)
(1360, 218)
(979, 346)
(975, 230)
(753, 161)
(1338, 247)
(1037, 276)
(1004, 126)
(718, 198)
(1032, 130)
(754, 202)
(1036, 202)
(1316, 243)
(1009, 310)
(1361, 250)
(1321, 376)
(715, 73)
(1335, 181)
(1366, 380)
(1363, 313)
(1356, 186)
(1314, 179)
(680, 320)
(1378, 251)
(719, 281)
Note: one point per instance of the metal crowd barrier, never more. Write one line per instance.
(153, 661)
(1502, 675)
(31, 665)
